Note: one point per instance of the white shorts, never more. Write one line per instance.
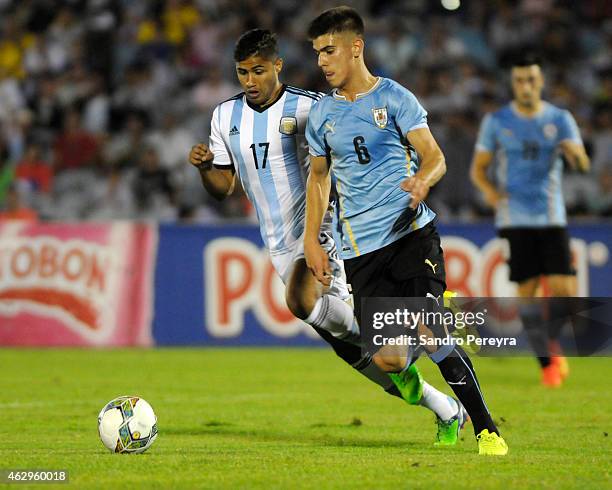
(283, 264)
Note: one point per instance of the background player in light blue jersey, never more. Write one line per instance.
(362, 131)
(527, 138)
(258, 136)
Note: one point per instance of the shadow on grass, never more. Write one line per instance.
(311, 434)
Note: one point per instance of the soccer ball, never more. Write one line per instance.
(127, 425)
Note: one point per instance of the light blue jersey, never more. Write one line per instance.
(267, 149)
(529, 167)
(366, 145)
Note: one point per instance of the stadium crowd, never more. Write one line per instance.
(101, 100)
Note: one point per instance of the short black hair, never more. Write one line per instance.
(526, 59)
(260, 42)
(338, 19)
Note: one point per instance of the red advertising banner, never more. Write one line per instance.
(81, 284)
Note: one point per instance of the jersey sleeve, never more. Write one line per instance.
(486, 135)
(409, 113)
(217, 144)
(568, 129)
(315, 135)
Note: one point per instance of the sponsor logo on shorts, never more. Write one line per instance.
(432, 265)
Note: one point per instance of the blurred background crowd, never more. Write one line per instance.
(101, 100)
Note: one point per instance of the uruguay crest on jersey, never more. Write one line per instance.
(380, 117)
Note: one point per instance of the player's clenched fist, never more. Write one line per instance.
(201, 156)
(418, 189)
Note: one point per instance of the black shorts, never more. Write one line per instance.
(410, 267)
(538, 252)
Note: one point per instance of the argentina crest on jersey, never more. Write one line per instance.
(288, 125)
(380, 117)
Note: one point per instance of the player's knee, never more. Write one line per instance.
(562, 288)
(299, 304)
(563, 292)
(389, 363)
(527, 288)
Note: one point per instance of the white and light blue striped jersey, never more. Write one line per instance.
(528, 163)
(366, 143)
(268, 151)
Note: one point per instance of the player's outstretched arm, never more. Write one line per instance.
(218, 182)
(432, 167)
(317, 200)
(576, 155)
(478, 174)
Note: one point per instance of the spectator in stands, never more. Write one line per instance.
(113, 58)
(11, 96)
(33, 172)
(110, 195)
(7, 171)
(212, 89)
(153, 188)
(47, 113)
(169, 142)
(204, 46)
(15, 209)
(124, 149)
(602, 136)
(74, 148)
(96, 109)
(12, 43)
(600, 202)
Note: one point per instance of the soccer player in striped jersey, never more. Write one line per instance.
(369, 131)
(258, 136)
(527, 137)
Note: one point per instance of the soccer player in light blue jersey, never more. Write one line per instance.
(258, 136)
(372, 134)
(527, 138)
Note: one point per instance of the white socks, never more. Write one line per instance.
(444, 406)
(336, 316)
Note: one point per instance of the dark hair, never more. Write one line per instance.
(256, 42)
(526, 59)
(338, 19)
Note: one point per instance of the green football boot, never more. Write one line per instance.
(409, 383)
(448, 430)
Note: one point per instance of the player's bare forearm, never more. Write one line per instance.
(576, 155)
(431, 169)
(478, 175)
(317, 199)
(217, 182)
(478, 171)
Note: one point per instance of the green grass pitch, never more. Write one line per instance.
(293, 418)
